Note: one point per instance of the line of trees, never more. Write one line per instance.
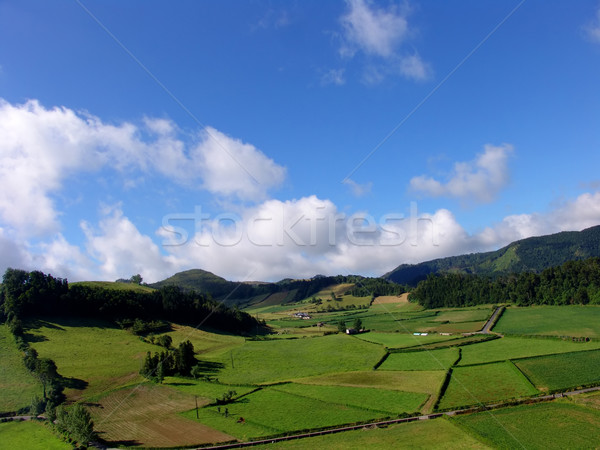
(26, 294)
(575, 282)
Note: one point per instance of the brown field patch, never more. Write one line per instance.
(148, 415)
(387, 299)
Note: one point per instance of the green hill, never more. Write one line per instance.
(532, 254)
(115, 285)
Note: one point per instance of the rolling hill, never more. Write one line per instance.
(532, 254)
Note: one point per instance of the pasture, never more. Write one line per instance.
(485, 384)
(415, 435)
(551, 320)
(564, 371)
(556, 425)
(17, 385)
(96, 355)
(403, 340)
(30, 435)
(280, 360)
(516, 347)
(427, 382)
(425, 360)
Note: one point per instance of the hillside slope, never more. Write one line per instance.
(532, 254)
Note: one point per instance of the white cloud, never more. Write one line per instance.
(41, 148)
(230, 167)
(593, 29)
(359, 190)
(479, 180)
(380, 34)
(120, 250)
(333, 76)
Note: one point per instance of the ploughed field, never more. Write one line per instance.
(306, 376)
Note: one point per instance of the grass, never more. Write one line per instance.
(429, 434)
(92, 352)
(551, 320)
(555, 425)
(402, 340)
(513, 347)
(387, 402)
(273, 411)
(425, 360)
(485, 384)
(281, 360)
(208, 391)
(148, 415)
(120, 286)
(206, 344)
(427, 382)
(31, 435)
(17, 385)
(568, 370)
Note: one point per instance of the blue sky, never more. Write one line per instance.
(271, 139)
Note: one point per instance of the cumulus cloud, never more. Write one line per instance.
(333, 76)
(479, 180)
(379, 34)
(40, 148)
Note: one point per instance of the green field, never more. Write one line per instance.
(387, 402)
(427, 382)
(205, 343)
(91, 351)
(17, 385)
(563, 371)
(513, 347)
(119, 286)
(425, 360)
(551, 320)
(281, 360)
(485, 384)
(273, 411)
(205, 389)
(403, 340)
(429, 434)
(556, 425)
(30, 435)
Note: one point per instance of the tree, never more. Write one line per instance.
(137, 279)
(358, 324)
(45, 370)
(342, 326)
(80, 424)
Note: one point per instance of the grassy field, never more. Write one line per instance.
(430, 434)
(551, 320)
(148, 415)
(208, 391)
(563, 371)
(402, 340)
(427, 382)
(425, 360)
(280, 360)
(387, 402)
(272, 411)
(17, 385)
(485, 384)
(205, 343)
(513, 347)
(91, 351)
(114, 285)
(29, 435)
(556, 425)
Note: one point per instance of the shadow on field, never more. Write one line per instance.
(210, 367)
(119, 443)
(74, 383)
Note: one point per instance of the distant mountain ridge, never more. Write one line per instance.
(531, 254)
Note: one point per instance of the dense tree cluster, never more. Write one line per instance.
(34, 293)
(575, 282)
(76, 422)
(178, 361)
(375, 287)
